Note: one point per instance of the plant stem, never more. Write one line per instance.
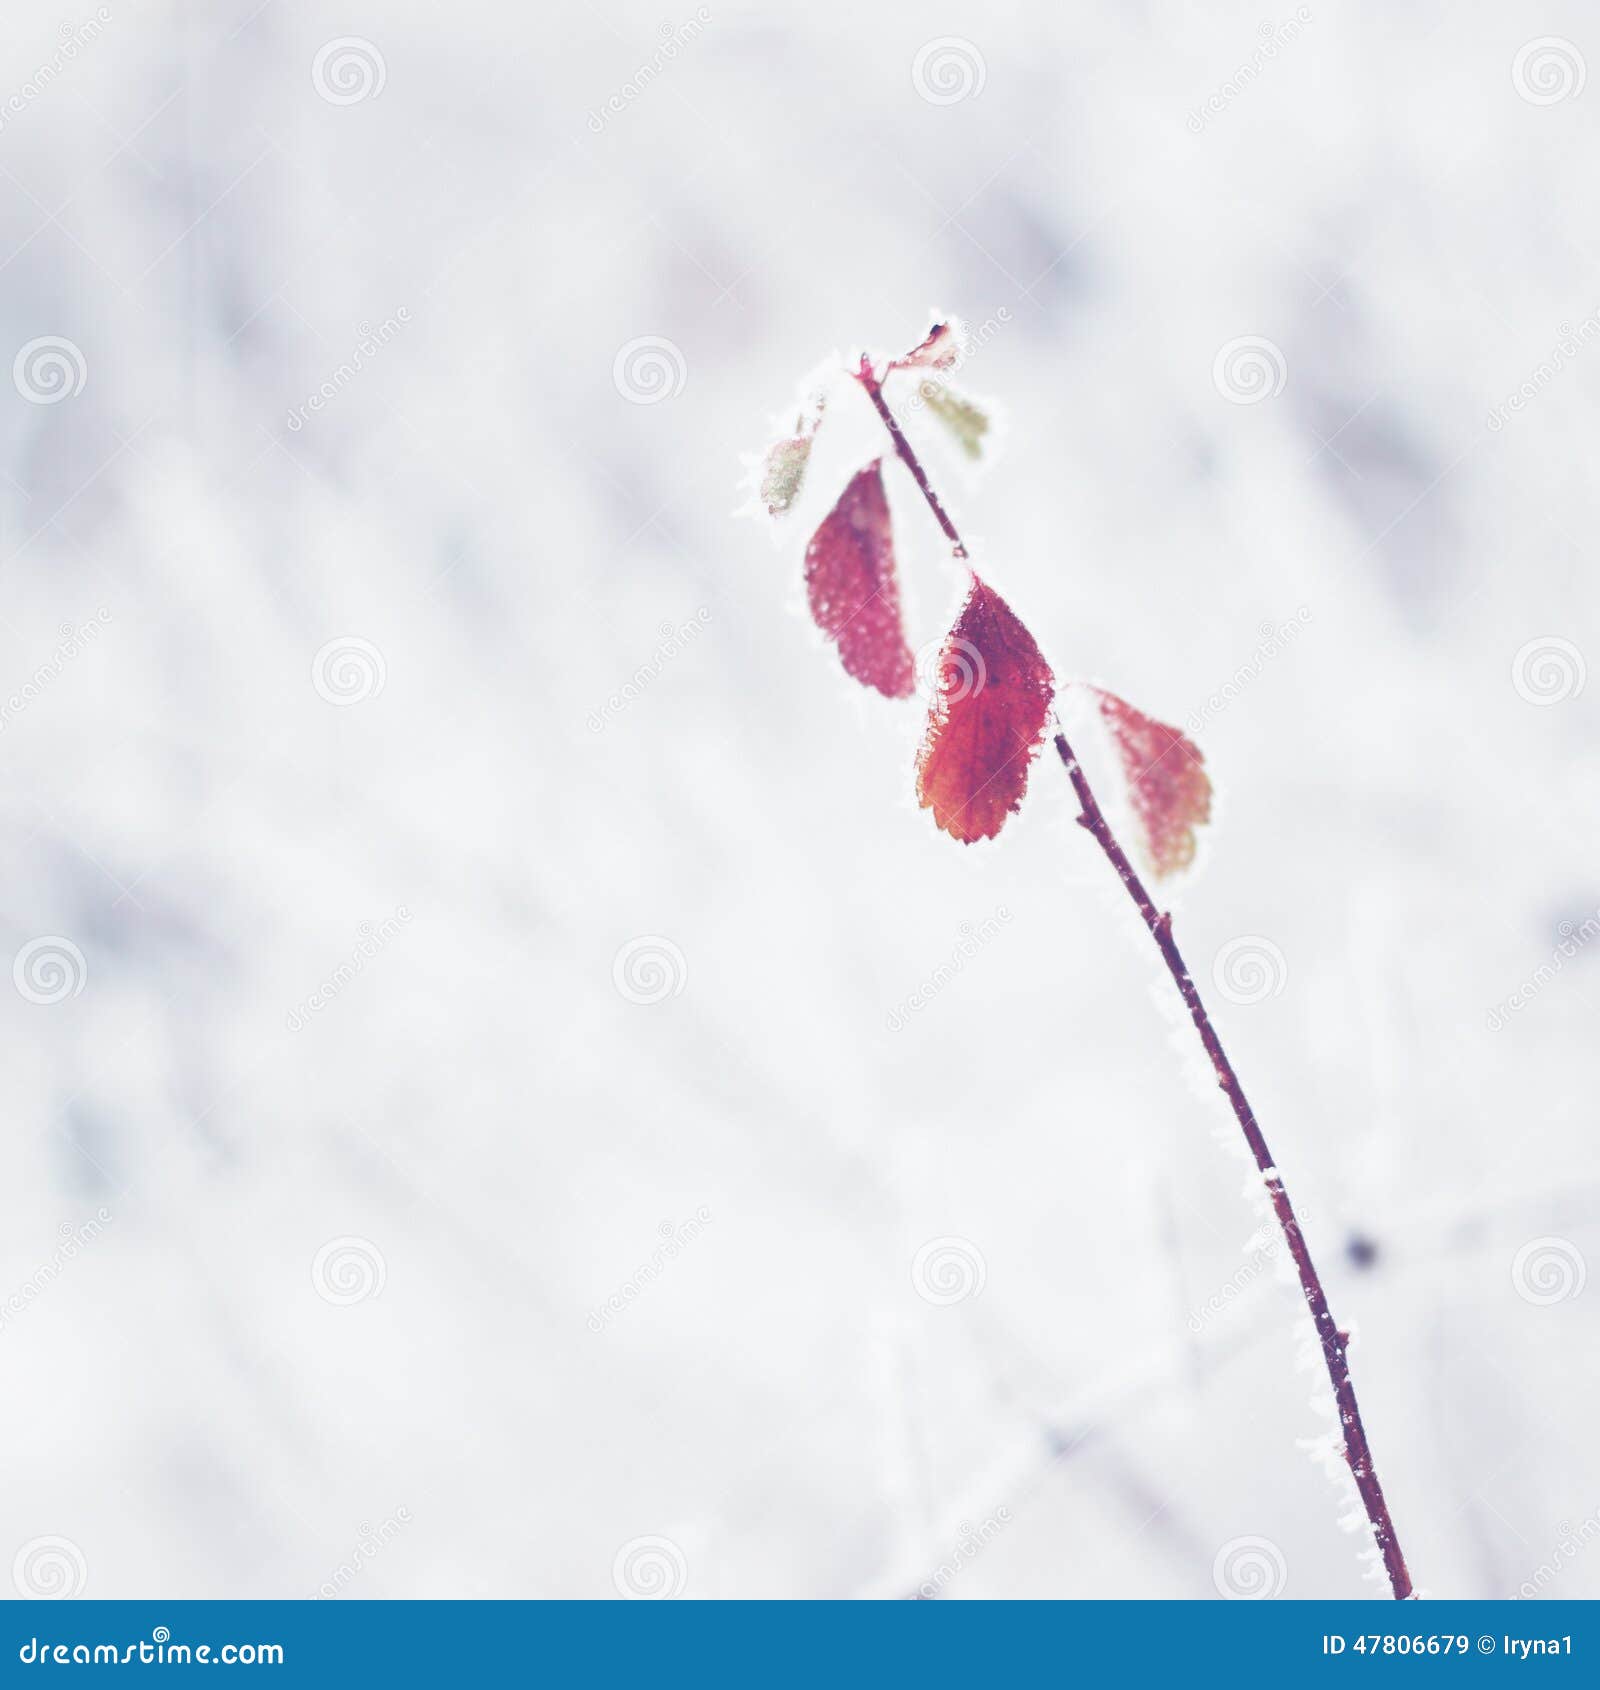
(874, 389)
(1333, 1340)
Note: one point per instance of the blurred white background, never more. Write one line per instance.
(290, 1291)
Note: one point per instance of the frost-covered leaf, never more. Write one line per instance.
(938, 351)
(852, 590)
(967, 422)
(783, 469)
(988, 716)
(1168, 786)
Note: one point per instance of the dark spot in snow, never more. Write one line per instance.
(1361, 1250)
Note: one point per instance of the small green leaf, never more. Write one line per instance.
(965, 420)
(783, 469)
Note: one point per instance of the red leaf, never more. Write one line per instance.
(850, 582)
(1168, 785)
(994, 692)
(938, 351)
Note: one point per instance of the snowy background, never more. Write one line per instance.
(370, 764)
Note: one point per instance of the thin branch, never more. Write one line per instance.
(1333, 1340)
(909, 458)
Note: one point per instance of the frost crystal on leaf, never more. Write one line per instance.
(938, 351)
(1168, 785)
(852, 590)
(784, 467)
(987, 719)
(966, 422)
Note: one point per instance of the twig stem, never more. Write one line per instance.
(874, 387)
(1333, 1340)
